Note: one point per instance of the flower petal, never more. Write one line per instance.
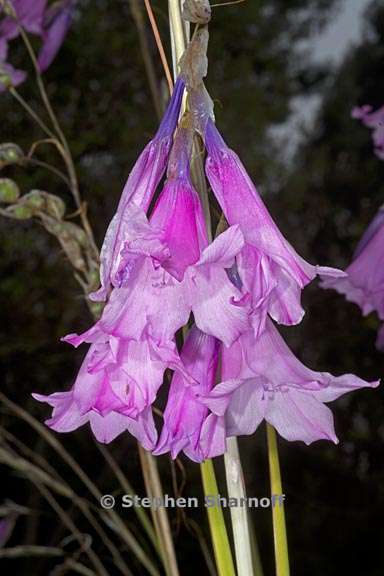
(298, 415)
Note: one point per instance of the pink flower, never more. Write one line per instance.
(364, 283)
(114, 390)
(161, 269)
(263, 380)
(138, 192)
(375, 121)
(188, 426)
(267, 267)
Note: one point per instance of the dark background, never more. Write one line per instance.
(322, 198)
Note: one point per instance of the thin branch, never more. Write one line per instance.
(31, 112)
(159, 44)
(30, 550)
(160, 516)
(66, 154)
(137, 15)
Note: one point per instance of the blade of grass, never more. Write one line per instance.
(128, 489)
(278, 515)
(120, 527)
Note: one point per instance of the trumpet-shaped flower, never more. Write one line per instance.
(364, 283)
(164, 270)
(268, 267)
(262, 379)
(188, 426)
(57, 21)
(115, 388)
(138, 192)
(50, 23)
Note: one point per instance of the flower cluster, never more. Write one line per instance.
(50, 23)
(159, 273)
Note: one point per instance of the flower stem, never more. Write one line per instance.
(239, 514)
(278, 515)
(221, 546)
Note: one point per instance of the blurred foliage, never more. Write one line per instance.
(322, 200)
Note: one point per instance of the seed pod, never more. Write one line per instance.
(41, 201)
(10, 154)
(197, 11)
(9, 191)
(18, 211)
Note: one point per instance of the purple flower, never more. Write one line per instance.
(114, 389)
(30, 15)
(268, 268)
(9, 76)
(375, 121)
(263, 380)
(57, 21)
(51, 24)
(138, 192)
(364, 283)
(161, 270)
(188, 426)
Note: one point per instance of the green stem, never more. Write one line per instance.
(221, 546)
(278, 515)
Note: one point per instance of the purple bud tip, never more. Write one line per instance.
(213, 139)
(171, 116)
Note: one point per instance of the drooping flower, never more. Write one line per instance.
(114, 389)
(51, 24)
(375, 121)
(188, 426)
(57, 21)
(364, 283)
(29, 15)
(138, 192)
(161, 270)
(268, 267)
(263, 380)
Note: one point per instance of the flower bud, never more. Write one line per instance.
(9, 191)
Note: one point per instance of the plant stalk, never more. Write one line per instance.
(278, 515)
(221, 545)
(239, 513)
